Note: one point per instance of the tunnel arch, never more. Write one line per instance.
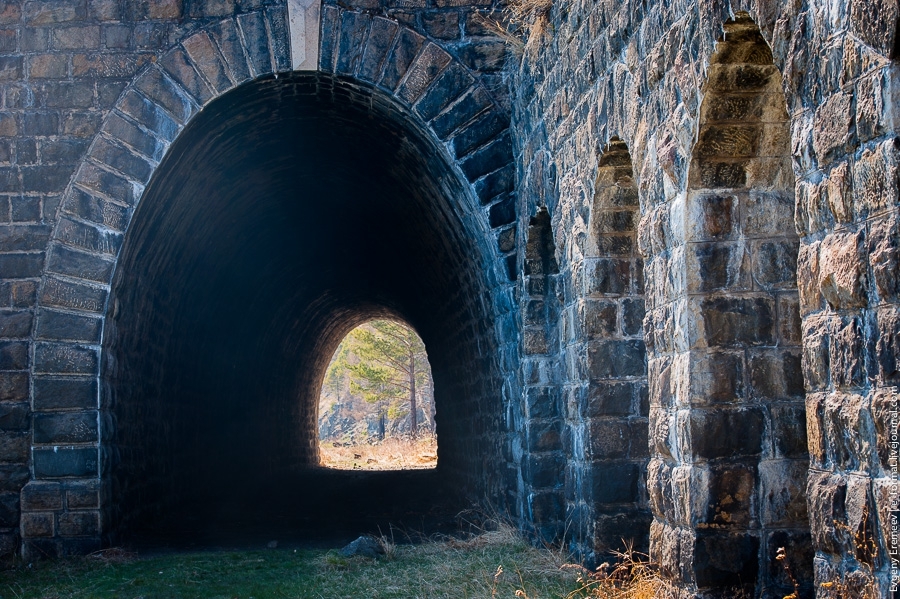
(372, 241)
(438, 114)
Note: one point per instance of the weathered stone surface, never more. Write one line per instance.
(42, 496)
(613, 359)
(13, 386)
(70, 427)
(13, 355)
(732, 433)
(785, 500)
(716, 377)
(615, 483)
(725, 560)
(833, 132)
(887, 348)
(59, 358)
(871, 21)
(256, 42)
(876, 179)
(15, 323)
(178, 67)
(62, 462)
(406, 47)
(14, 447)
(842, 277)
(884, 247)
(79, 524)
(55, 392)
(465, 108)
(38, 525)
(15, 416)
(90, 238)
(737, 321)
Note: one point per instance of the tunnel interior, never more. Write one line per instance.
(286, 213)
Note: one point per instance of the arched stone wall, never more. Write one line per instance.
(63, 507)
(736, 400)
(638, 71)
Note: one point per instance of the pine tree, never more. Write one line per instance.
(387, 366)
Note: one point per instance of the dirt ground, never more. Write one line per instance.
(390, 454)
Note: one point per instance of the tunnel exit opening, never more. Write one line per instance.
(376, 404)
(288, 212)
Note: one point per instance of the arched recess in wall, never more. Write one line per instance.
(617, 395)
(543, 465)
(742, 413)
(286, 223)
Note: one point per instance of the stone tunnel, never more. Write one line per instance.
(292, 210)
(651, 249)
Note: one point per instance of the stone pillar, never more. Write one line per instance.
(848, 195)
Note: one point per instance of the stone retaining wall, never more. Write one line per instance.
(682, 326)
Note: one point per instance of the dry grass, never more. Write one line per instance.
(491, 564)
(390, 454)
(533, 17)
(632, 576)
(524, 25)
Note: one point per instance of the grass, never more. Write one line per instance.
(390, 454)
(524, 25)
(492, 564)
(630, 577)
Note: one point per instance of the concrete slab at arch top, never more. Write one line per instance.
(303, 16)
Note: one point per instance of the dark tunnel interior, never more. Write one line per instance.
(287, 212)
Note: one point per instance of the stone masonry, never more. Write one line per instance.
(658, 256)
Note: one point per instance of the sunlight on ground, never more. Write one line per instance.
(390, 454)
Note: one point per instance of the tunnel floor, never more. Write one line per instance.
(318, 508)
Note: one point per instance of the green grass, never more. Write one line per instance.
(457, 569)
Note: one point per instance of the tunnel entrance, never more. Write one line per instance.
(289, 211)
(376, 404)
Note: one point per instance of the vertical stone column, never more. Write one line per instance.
(728, 433)
(848, 198)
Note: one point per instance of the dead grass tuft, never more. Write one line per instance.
(632, 576)
(860, 583)
(524, 25)
(113, 555)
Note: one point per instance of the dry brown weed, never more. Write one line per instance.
(524, 24)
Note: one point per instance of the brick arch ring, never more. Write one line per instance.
(440, 95)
